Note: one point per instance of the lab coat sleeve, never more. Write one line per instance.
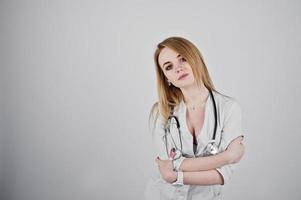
(232, 129)
(158, 133)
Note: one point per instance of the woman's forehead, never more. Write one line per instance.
(166, 55)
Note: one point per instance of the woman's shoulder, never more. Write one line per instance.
(227, 103)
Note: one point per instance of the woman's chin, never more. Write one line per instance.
(185, 84)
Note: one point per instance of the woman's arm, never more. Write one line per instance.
(203, 177)
(208, 177)
(232, 155)
(204, 163)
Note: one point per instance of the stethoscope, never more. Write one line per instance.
(210, 149)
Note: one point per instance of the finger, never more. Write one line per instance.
(158, 162)
(239, 139)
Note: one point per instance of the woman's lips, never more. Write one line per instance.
(182, 77)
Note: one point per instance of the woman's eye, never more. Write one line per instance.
(183, 60)
(168, 67)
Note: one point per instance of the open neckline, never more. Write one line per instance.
(205, 119)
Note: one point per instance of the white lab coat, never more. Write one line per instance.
(229, 127)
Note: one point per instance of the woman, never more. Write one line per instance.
(186, 91)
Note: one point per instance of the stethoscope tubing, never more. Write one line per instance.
(172, 116)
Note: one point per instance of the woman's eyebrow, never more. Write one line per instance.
(169, 61)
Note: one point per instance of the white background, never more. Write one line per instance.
(78, 81)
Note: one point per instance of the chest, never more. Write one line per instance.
(195, 121)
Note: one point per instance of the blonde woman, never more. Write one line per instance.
(183, 168)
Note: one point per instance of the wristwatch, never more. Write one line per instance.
(180, 179)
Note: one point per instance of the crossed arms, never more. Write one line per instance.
(203, 170)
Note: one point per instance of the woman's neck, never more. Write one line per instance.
(194, 95)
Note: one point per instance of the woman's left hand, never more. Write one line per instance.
(166, 170)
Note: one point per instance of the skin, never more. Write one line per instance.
(199, 171)
(203, 165)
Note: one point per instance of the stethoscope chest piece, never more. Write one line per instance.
(178, 153)
(211, 149)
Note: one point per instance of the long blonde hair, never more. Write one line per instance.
(170, 96)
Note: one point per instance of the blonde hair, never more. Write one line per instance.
(170, 96)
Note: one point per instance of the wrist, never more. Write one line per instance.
(180, 167)
(173, 176)
(228, 157)
(180, 179)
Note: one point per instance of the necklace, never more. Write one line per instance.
(195, 106)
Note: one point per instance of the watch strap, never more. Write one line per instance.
(180, 179)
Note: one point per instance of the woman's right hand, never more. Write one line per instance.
(235, 150)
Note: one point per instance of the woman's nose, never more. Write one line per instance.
(179, 68)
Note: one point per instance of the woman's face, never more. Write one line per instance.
(175, 68)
